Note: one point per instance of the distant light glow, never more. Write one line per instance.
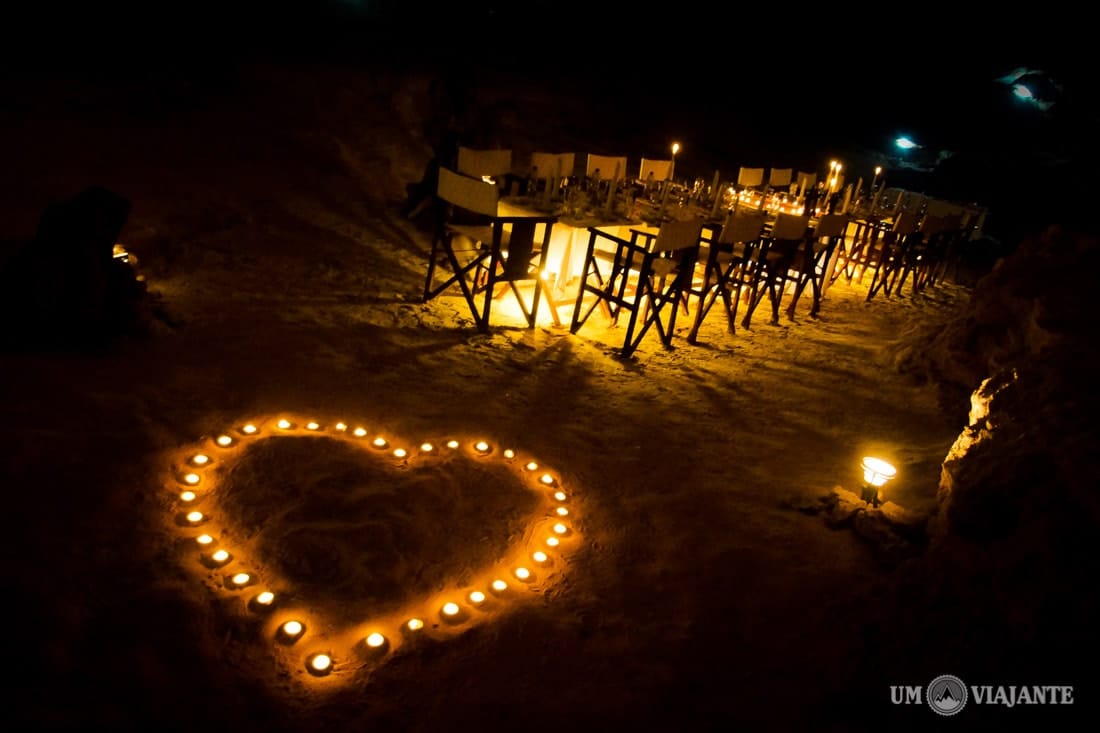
(905, 143)
(1023, 91)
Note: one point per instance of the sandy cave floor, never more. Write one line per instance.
(693, 597)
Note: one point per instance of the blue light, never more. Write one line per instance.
(1023, 92)
(905, 143)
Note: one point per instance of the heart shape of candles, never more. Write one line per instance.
(348, 545)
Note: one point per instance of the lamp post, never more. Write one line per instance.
(876, 472)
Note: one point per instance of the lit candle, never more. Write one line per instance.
(477, 597)
(414, 624)
(223, 440)
(499, 585)
(531, 466)
(187, 496)
(241, 579)
(560, 528)
(427, 447)
(379, 442)
(200, 459)
(341, 426)
(312, 426)
(266, 598)
(204, 539)
(450, 609)
(191, 478)
(559, 495)
(481, 446)
(220, 556)
(562, 511)
(292, 629)
(523, 573)
(195, 517)
(539, 557)
(283, 424)
(547, 479)
(452, 443)
(552, 541)
(375, 640)
(249, 429)
(319, 664)
(400, 453)
(509, 453)
(359, 432)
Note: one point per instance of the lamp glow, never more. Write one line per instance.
(200, 459)
(476, 597)
(539, 556)
(375, 640)
(204, 539)
(249, 429)
(191, 478)
(313, 426)
(905, 143)
(414, 624)
(187, 496)
(450, 609)
(283, 424)
(675, 148)
(522, 573)
(499, 585)
(223, 440)
(876, 472)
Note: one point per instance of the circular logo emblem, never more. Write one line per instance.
(946, 694)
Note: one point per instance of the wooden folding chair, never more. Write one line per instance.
(887, 254)
(774, 261)
(724, 261)
(816, 259)
(645, 275)
(484, 251)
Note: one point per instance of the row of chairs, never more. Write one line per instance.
(690, 266)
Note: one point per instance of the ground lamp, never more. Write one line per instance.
(876, 472)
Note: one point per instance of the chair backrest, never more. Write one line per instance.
(609, 166)
(750, 177)
(676, 235)
(479, 163)
(831, 225)
(553, 164)
(471, 194)
(780, 177)
(790, 226)
(742, 227)
(806, 181)
(906, 222)
(659, 168)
